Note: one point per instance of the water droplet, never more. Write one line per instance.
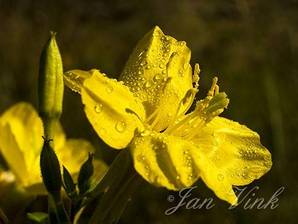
(147, 84)
(143, 63)
(120, 126)
(181, 73)
(244, 175)
(140, 158)
(182, 43)
(157, 77)
(98, 108)
(109, 89)
(220, 177)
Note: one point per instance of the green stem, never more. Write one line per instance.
(57, 212)
(3, 217)
(49, 127)
(119, 184)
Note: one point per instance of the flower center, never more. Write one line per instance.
(186, 126)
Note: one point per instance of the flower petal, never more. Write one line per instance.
(21, 140)
(159, 73)
(112, 109)
(165, 160)
(74, 153)
(234, 156)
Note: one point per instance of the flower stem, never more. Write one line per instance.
(118, 190)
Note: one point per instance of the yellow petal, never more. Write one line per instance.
(165, 160)
(59, 136)
(234, 156)
(21, 140)
(112, 109)
(159, 73)
(74, 79)
(74, 153)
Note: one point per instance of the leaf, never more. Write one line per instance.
(38, 217)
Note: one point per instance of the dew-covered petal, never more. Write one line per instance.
(112, 109)
(21, 132)
(74, 79)
(165, 160)
(234, 153)
(158, 72)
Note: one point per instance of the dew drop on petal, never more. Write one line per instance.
(140, 158)
(220, 177)
(98, 108)
(147, 84)
(157, 77)
(120, 126)
(109, 89)
(181, 73)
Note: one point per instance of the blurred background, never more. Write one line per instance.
(251, 45)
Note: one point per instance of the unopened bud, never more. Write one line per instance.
(50, 85)
(85, 175)
(50, 170)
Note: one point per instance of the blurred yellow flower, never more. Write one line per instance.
(21, 132)
(147, 111)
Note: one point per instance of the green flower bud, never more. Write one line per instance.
(50, 85)
(85, 174)
(50, 170)
(69, 185)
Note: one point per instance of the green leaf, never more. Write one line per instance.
(85, 175)
(38, 217)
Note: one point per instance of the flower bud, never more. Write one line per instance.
(50, 85)
(69, 185)
(85, 174)
(50, 170)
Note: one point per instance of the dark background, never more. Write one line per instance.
(251, 45)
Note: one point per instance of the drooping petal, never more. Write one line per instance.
(159, 73)
(21, 140)
(74, 153)
(234, 155)
(112, 109)
(165, 160)
(74, 79)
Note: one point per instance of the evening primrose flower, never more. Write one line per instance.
(147, 112)
(21, 132)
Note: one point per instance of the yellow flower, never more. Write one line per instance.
(147, 111)
(21, 132)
